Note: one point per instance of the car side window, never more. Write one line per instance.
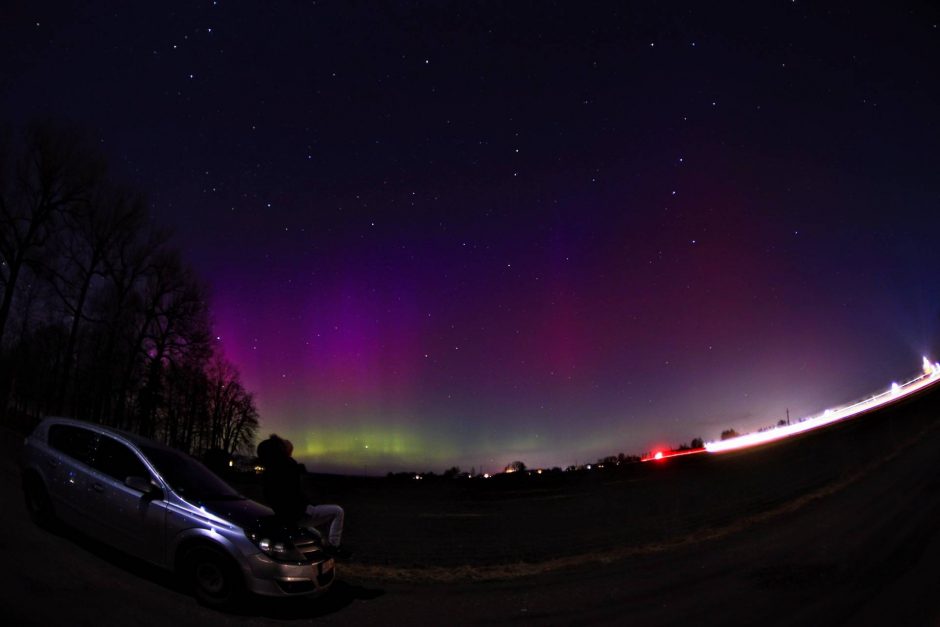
(117, 460)
(75, 442)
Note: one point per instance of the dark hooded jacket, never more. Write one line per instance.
(283, 489)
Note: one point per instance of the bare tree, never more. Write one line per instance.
(174, 326)
(118, 308)
(56, 173)
(89, 233)
(108, 323)
(233, 418)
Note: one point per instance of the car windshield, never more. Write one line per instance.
(189, 478)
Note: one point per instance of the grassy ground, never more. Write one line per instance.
(514, 525)
(465, 529)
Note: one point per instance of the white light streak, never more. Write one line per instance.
(896, 392)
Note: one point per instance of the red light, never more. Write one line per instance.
(662, 455)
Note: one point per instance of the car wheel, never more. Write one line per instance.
(216, 580)
(38, 503)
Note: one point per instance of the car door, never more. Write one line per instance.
(124, 517)
(67, 469)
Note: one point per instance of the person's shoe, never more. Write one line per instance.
(337, 552)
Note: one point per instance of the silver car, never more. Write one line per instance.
(163, 506)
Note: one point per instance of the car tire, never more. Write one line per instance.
(38, 504)
(215, 579)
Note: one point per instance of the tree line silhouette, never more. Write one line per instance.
(101, 318)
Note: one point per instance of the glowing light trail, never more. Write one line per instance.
(667, 454)
(930, 377)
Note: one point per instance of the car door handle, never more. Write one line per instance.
(97, 487)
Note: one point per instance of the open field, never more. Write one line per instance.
(513, 524)
(837, 527)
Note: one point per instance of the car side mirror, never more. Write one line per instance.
(143, 484)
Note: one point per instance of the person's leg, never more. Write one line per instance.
(322, 514)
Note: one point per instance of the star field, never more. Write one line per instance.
(465, 234)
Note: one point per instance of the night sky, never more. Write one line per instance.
(469, 233)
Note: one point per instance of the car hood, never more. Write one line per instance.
(255, 518)
(245, 513)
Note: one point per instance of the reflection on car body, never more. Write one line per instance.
(163, 506)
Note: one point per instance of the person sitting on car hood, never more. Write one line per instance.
(284, 492)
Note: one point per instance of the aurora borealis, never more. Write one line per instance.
(469, 233)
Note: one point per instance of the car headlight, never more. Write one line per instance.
(281, 550)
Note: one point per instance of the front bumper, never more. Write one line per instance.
(270, 578)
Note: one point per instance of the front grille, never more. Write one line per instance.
(310, 549)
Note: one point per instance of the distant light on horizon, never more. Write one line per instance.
(930, 368)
